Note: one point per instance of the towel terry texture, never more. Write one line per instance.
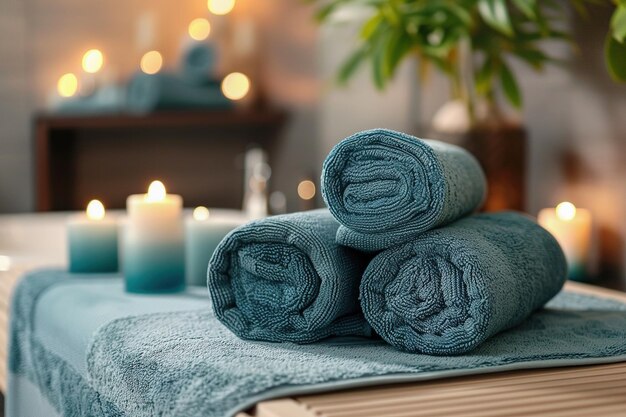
(284, 278)
(186, 363)
(386, 187)
(451, 288)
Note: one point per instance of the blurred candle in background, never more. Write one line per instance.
(572, 228)
(145, 31)
(92, 240)
(203, 232)
(154, 258)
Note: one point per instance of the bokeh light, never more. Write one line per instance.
(235, 86)
(199, 29)
(220, 7)
(67, 85)
(306, 189)
(151, 62)
(201, 213)
(93, 61)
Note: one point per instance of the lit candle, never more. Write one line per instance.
(571, 227)
(203, 232)
(92, 239)
(154, 259)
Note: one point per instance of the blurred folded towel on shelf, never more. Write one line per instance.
(164, 91)
(451, 288)
(284, 278)
(386, 187)
(199, 63)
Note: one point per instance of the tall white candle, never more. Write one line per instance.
(154, 242)
(572, 228)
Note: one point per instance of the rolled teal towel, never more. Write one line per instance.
(450, 289)
(284, 278)
(386, 187)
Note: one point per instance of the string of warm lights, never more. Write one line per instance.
(235, 86)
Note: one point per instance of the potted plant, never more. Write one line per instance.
(472, 43)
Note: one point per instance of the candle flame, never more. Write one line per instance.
(156, 191)
(95, 210)
(201, 213)
(566, 211)
(5, 263)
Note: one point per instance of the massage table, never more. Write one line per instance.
(571, 391)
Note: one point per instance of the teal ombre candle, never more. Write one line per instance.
(154, 254)
(203, 232)
(572, 227)
(92, 241)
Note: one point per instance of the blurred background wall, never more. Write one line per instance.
(43, 39)
(576, 117)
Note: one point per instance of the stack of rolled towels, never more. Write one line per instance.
(399, 255)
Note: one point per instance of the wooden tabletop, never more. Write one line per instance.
(596, 390)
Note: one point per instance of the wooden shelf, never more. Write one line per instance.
(198, 154)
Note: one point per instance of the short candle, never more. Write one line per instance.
(203, 233)
(154, 258)
(92, 240)
(571, 226)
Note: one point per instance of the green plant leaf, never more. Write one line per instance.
(528, 7)
(496, 15)
(484, 76)
(349, 67)
(615, 55)
(533, 57)
(325, 11)
(618, 24)
(371, 26)
(509, 86)
(379, 55)
(399, 46)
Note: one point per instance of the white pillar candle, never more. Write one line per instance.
(203, 233)
(154, 245)
(572, 228)
(92, 240)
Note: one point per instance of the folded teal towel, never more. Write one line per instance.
(199, 64)
(386, 187)
(185, 363)
(165, 91)
(450, 289)
(284, 278)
